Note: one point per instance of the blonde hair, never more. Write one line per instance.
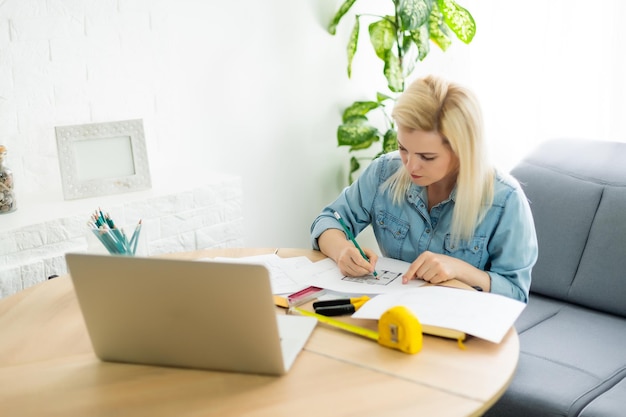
(432, 104)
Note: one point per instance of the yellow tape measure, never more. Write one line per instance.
(398, 329)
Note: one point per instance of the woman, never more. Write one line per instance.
(436, 202)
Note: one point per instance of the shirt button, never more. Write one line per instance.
(427, 230)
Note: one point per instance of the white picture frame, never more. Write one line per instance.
(103, 158)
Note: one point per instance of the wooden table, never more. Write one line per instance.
(48, 368)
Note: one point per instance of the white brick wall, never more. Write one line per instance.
(66, 62)
(207, 216)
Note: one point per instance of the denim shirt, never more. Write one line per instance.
(504, 243)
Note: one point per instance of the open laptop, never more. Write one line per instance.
(184, 313)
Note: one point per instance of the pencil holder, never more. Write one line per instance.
(116, 243)
(112, 238)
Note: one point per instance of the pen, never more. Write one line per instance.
(356, 301)
(339, 307)
(351, 237)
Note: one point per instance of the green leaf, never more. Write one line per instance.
(390, 141)
(345, 7)
(407, 43)
(354, 166)
(357, 134)
(409, 57)
(413, 13)
(438, 31)
(359, 108)
(352, 44)
(383, 36)
(393, 73)
(421, 38)
(458, 19)
(380, 97)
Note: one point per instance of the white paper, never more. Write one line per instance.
(326, 274)
(484, 315)
(289, 275)
(284, 275)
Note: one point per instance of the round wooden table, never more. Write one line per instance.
(47, 367)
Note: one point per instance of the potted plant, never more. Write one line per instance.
(400, 41)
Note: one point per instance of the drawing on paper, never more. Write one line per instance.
(384, 278)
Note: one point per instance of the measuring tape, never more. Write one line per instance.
(398, 329)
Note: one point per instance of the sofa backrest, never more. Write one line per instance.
(577, 194)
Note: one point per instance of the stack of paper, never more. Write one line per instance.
(484, 315)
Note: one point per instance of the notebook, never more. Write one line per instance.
(182, 313)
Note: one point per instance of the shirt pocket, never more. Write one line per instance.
(471, 251)
(397, 228)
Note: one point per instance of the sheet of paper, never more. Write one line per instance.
(484, 315)
(326, 274)
(283, 271)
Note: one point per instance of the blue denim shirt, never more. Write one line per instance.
(504, 243)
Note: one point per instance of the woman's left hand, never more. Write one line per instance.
(436, 268)
(433, 267)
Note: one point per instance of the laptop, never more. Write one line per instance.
(209, 315)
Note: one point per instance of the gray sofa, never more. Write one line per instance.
(573, 331)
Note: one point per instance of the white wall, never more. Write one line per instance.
(255, 88)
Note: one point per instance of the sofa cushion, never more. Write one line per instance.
(568, 356)
(561, 238)
(600, 281)
(609, 404)
(577, 194)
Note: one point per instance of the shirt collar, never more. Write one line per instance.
(416, 191)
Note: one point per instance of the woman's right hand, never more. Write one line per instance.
(333, 243)
(352, 264)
